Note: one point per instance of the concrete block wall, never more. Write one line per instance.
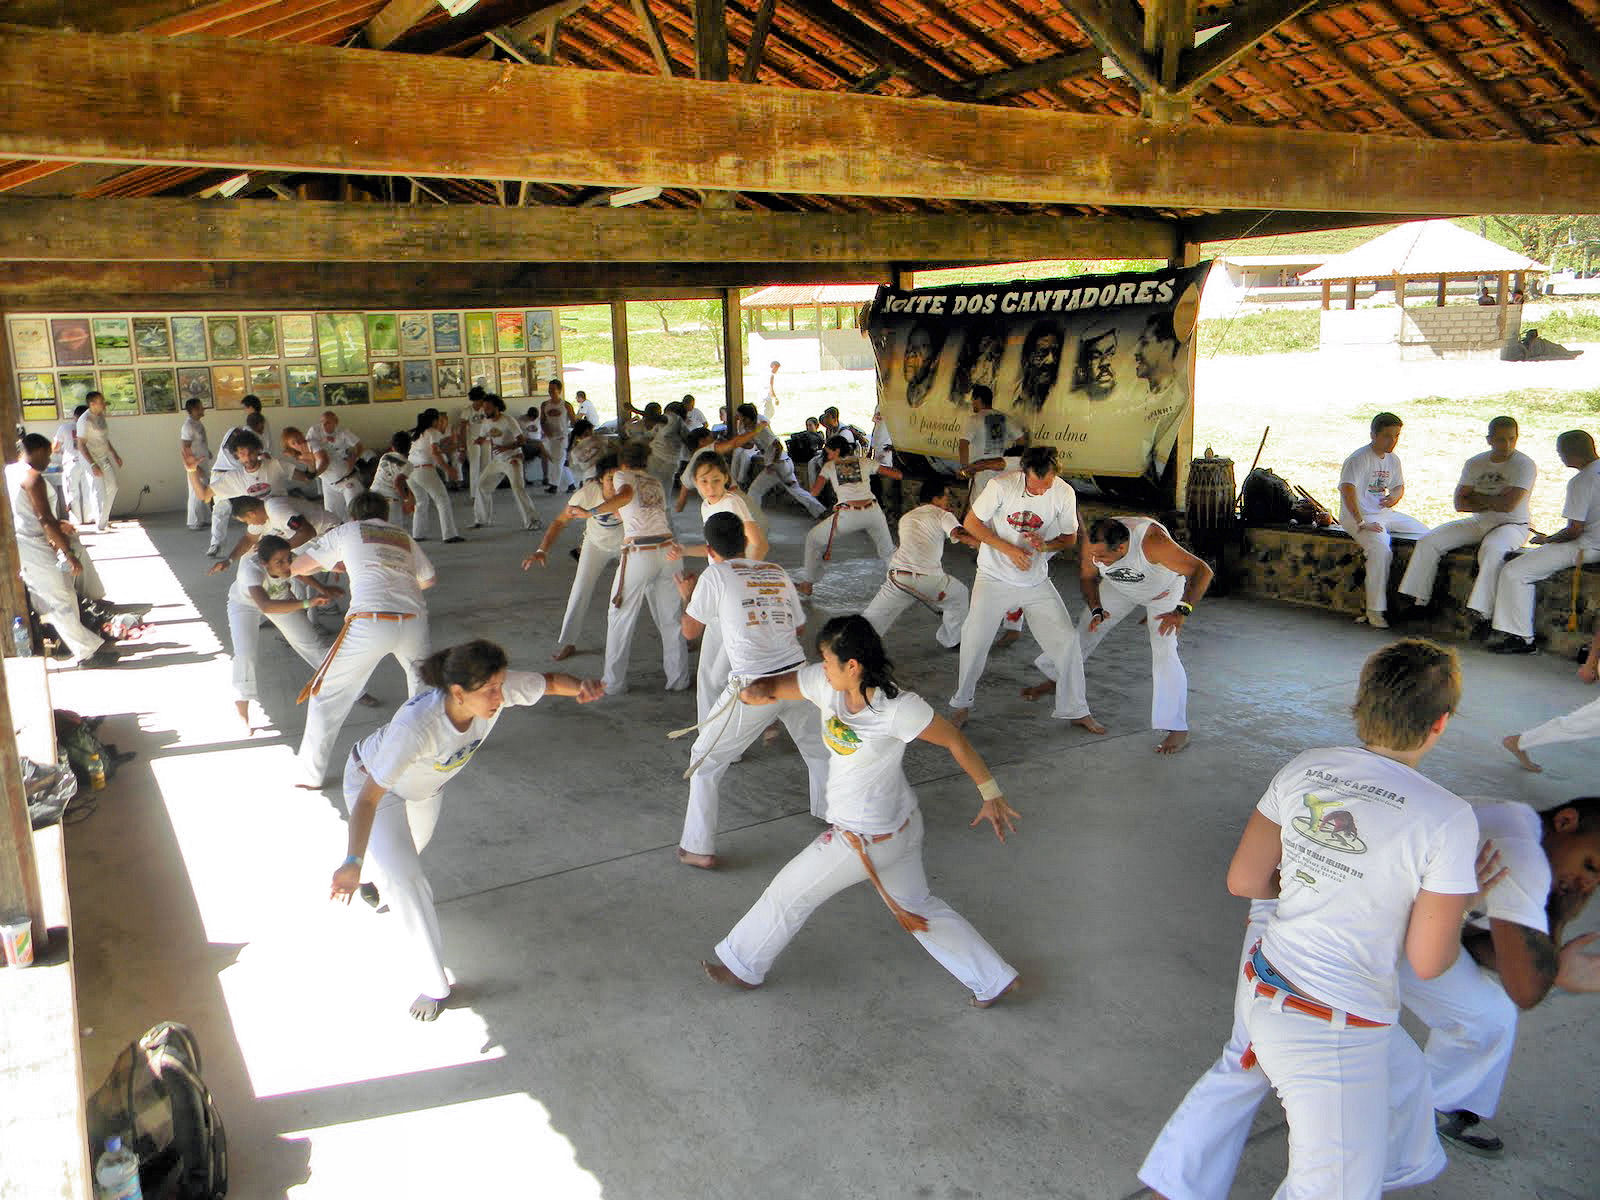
(1460, 330)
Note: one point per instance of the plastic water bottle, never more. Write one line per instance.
(116, 1173)
(97, 770)
(21, 638)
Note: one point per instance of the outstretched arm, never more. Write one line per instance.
(770, 691)
(1000, 815)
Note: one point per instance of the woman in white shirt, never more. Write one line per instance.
(75, 483)
(394, 788)
(429, 462)
(502, 440)
(602, 546)
(394, 468)
(855, 509)
(875, 826)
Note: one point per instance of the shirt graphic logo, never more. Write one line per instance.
(458, 759)
(1125, 575)
(1025, 521)
(848, 470)
(1329, 826)
(840, 737)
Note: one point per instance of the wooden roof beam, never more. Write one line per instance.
(1201, 65)
(651, 28)
(710, 39)
(394, 19)
(1108, 28)
(878, 46)
(761, 26)
(1573, 32)
(96, 16)
(1032, 76)
(1365, 78)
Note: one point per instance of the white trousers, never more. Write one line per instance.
(400, 832)
(555, 461)
(742, 461)
(365, 644)
(199, 512)
(477, 458)
(104, 490)
(78, 491)
(710, 673)
(244, 624)
(1169, 699)
(1514, 598)
(88, 582)
(336, 496)
(1494, 541)
(483, 500)
(728, 736)
(869, 521)
(944, 592)
(1574, 726)
(221, 515)
(1052, 627)
(54, 597)
(648, 580)
(780, 477)
(428, 488)
(593, 558)
(1379, 555)
(828, 866)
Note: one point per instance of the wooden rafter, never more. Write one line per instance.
(19, 174)
(1574, 36)
(760, 28)
(1364, 78)
(1032, 76)
(1503, 114)
(394, 20)
(651, 29)
(710, 39)
(1221, 53)
(878, 46)
(1107, 28)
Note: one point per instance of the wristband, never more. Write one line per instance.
(1183, 607)
(351, 860)
(989, 789)
(306, 603)
(1097, 611)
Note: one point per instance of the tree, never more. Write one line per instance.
(1555, 241)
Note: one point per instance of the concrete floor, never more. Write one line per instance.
(591, 1058)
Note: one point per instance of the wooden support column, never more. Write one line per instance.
(619, 359)
(19, 870)
(1327, 294)
(1350, 295)
(1400, 290)
(1502, 298)
(1443, 283)
(732, 352)
(13, 597)
(1183, 452)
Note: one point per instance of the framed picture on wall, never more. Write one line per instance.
(414, 329)
(508, 332)
(480, 333)
(37, 392)
(482, 372)
(111, 341)
(189, 339)
(386, 384)
(299, 335)
(151, 340)
(304, 391)
(383, 334)
(122, 393)
(30, 345)
(541, 370)
(227, 385)
(266, 383)
(419, 379)
(450, 378)
(541, 330)
(336, 393)
(158, 388)
(75, 386)
(261, 337)
(73, 341)
(342, 343)
(513, 377)
(447, 333)
(194, 383)
(224, 336)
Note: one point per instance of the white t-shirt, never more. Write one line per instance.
(24, 520)
(422, 448)
(923, 534)
(391, 469)
(1583, 504)
(849, 478)
(268, 479)
(420, 749)
(694, 420)
(1362, 834)
(1007, 508)
(225, 459)
(867, 788)
(67, 435)
(385, 566)
(605, 530)
(765, 441)
(645, 515)
(731, 502)
(756, 608)
(286, 515)
(252, 572)
(666, 444)
(339, 446)
(584, 454)
(589, 412)
(94, 438)
(1489, 478)
(553, 419)
(1518, 834)
(989, 434)
(500, 430)
(1372, 476)
(194, 432)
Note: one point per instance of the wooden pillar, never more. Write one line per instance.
(1183, 450)
(19, 870)
(1500, 323)
(13, 598)
(1400, 290)
(1443, 283)
(1327, 294)
(619, 358)
(732, 352)
(1350, 294)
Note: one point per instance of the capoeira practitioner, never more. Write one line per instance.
(394, 467)
(774, 469)
(294, 520)
(94, 443)
(196, 449)
(916, 571)
(469, 454)
(1567, 547)
(1370, 485)
(758, 612)
(1319, 994)
(75, 482)
(40, 538)
(586, 450)
(428, 466)
(985, 439)
(666, 446)
(602, 545)
(855, 510)
(256, 420)
(555, 424)
(394, 786)
(1129, 561)
(876, 827)
(1575, 726)
(335, 455)
(644, 572)
(769, 402)
(1020, 520)
(388, 574)
(1493, 491)
(253, 475)
(502, 436)
(1539, 871)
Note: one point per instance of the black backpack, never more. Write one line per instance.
(1267, 499)
(155, 1100)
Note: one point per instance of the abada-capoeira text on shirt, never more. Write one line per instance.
(388, 572)
(855, 511)
(917, 575)
(757, 610)
(1496, 534)
(868, 796)
(644, 576)
(1012, 513)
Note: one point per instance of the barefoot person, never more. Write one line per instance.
(252, 474)
(335, 453)
(774, 470)
(1020, 520)
(1132, 561)
(916, 570)
(855, 510)
(1370, 486)
(430, 466)
(1575, 726)
(394, 785)
(194, 448)
(502, 440)
(602, 546)
(876, 827)
(758, 611)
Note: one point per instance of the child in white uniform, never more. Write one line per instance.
(916, 571)
(101, 458)
(602, 545)
(757, 610)
(854, 508)
(394, 786)
(876, 827)
(196, 451)
(1370, 485)
(502, 440)
(388, 574)
(394, 468)
(428, 464)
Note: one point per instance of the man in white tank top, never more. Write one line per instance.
(39, 539)
(1132, 561)
(555, 422)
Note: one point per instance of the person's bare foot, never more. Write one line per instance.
(706, 862)
(1039, 690)
(803, 587)
(368, 700)
(427, 1008)
(566, 651)
(1088, 723)
(1174, 742)
(959, 716)
(998, 996)
(1513, 743)
(771, 734)
(718, 973)
(243, 707)
(1009, 638)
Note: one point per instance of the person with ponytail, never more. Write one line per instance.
(429, 462)
(394, 783)
(875, 828)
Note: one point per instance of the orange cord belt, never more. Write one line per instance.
(314, 687)
(909, 921)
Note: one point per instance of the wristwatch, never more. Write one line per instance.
(1183, 608)
(1097, 611)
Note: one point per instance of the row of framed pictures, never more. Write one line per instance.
(343, 344)
(44, 395)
